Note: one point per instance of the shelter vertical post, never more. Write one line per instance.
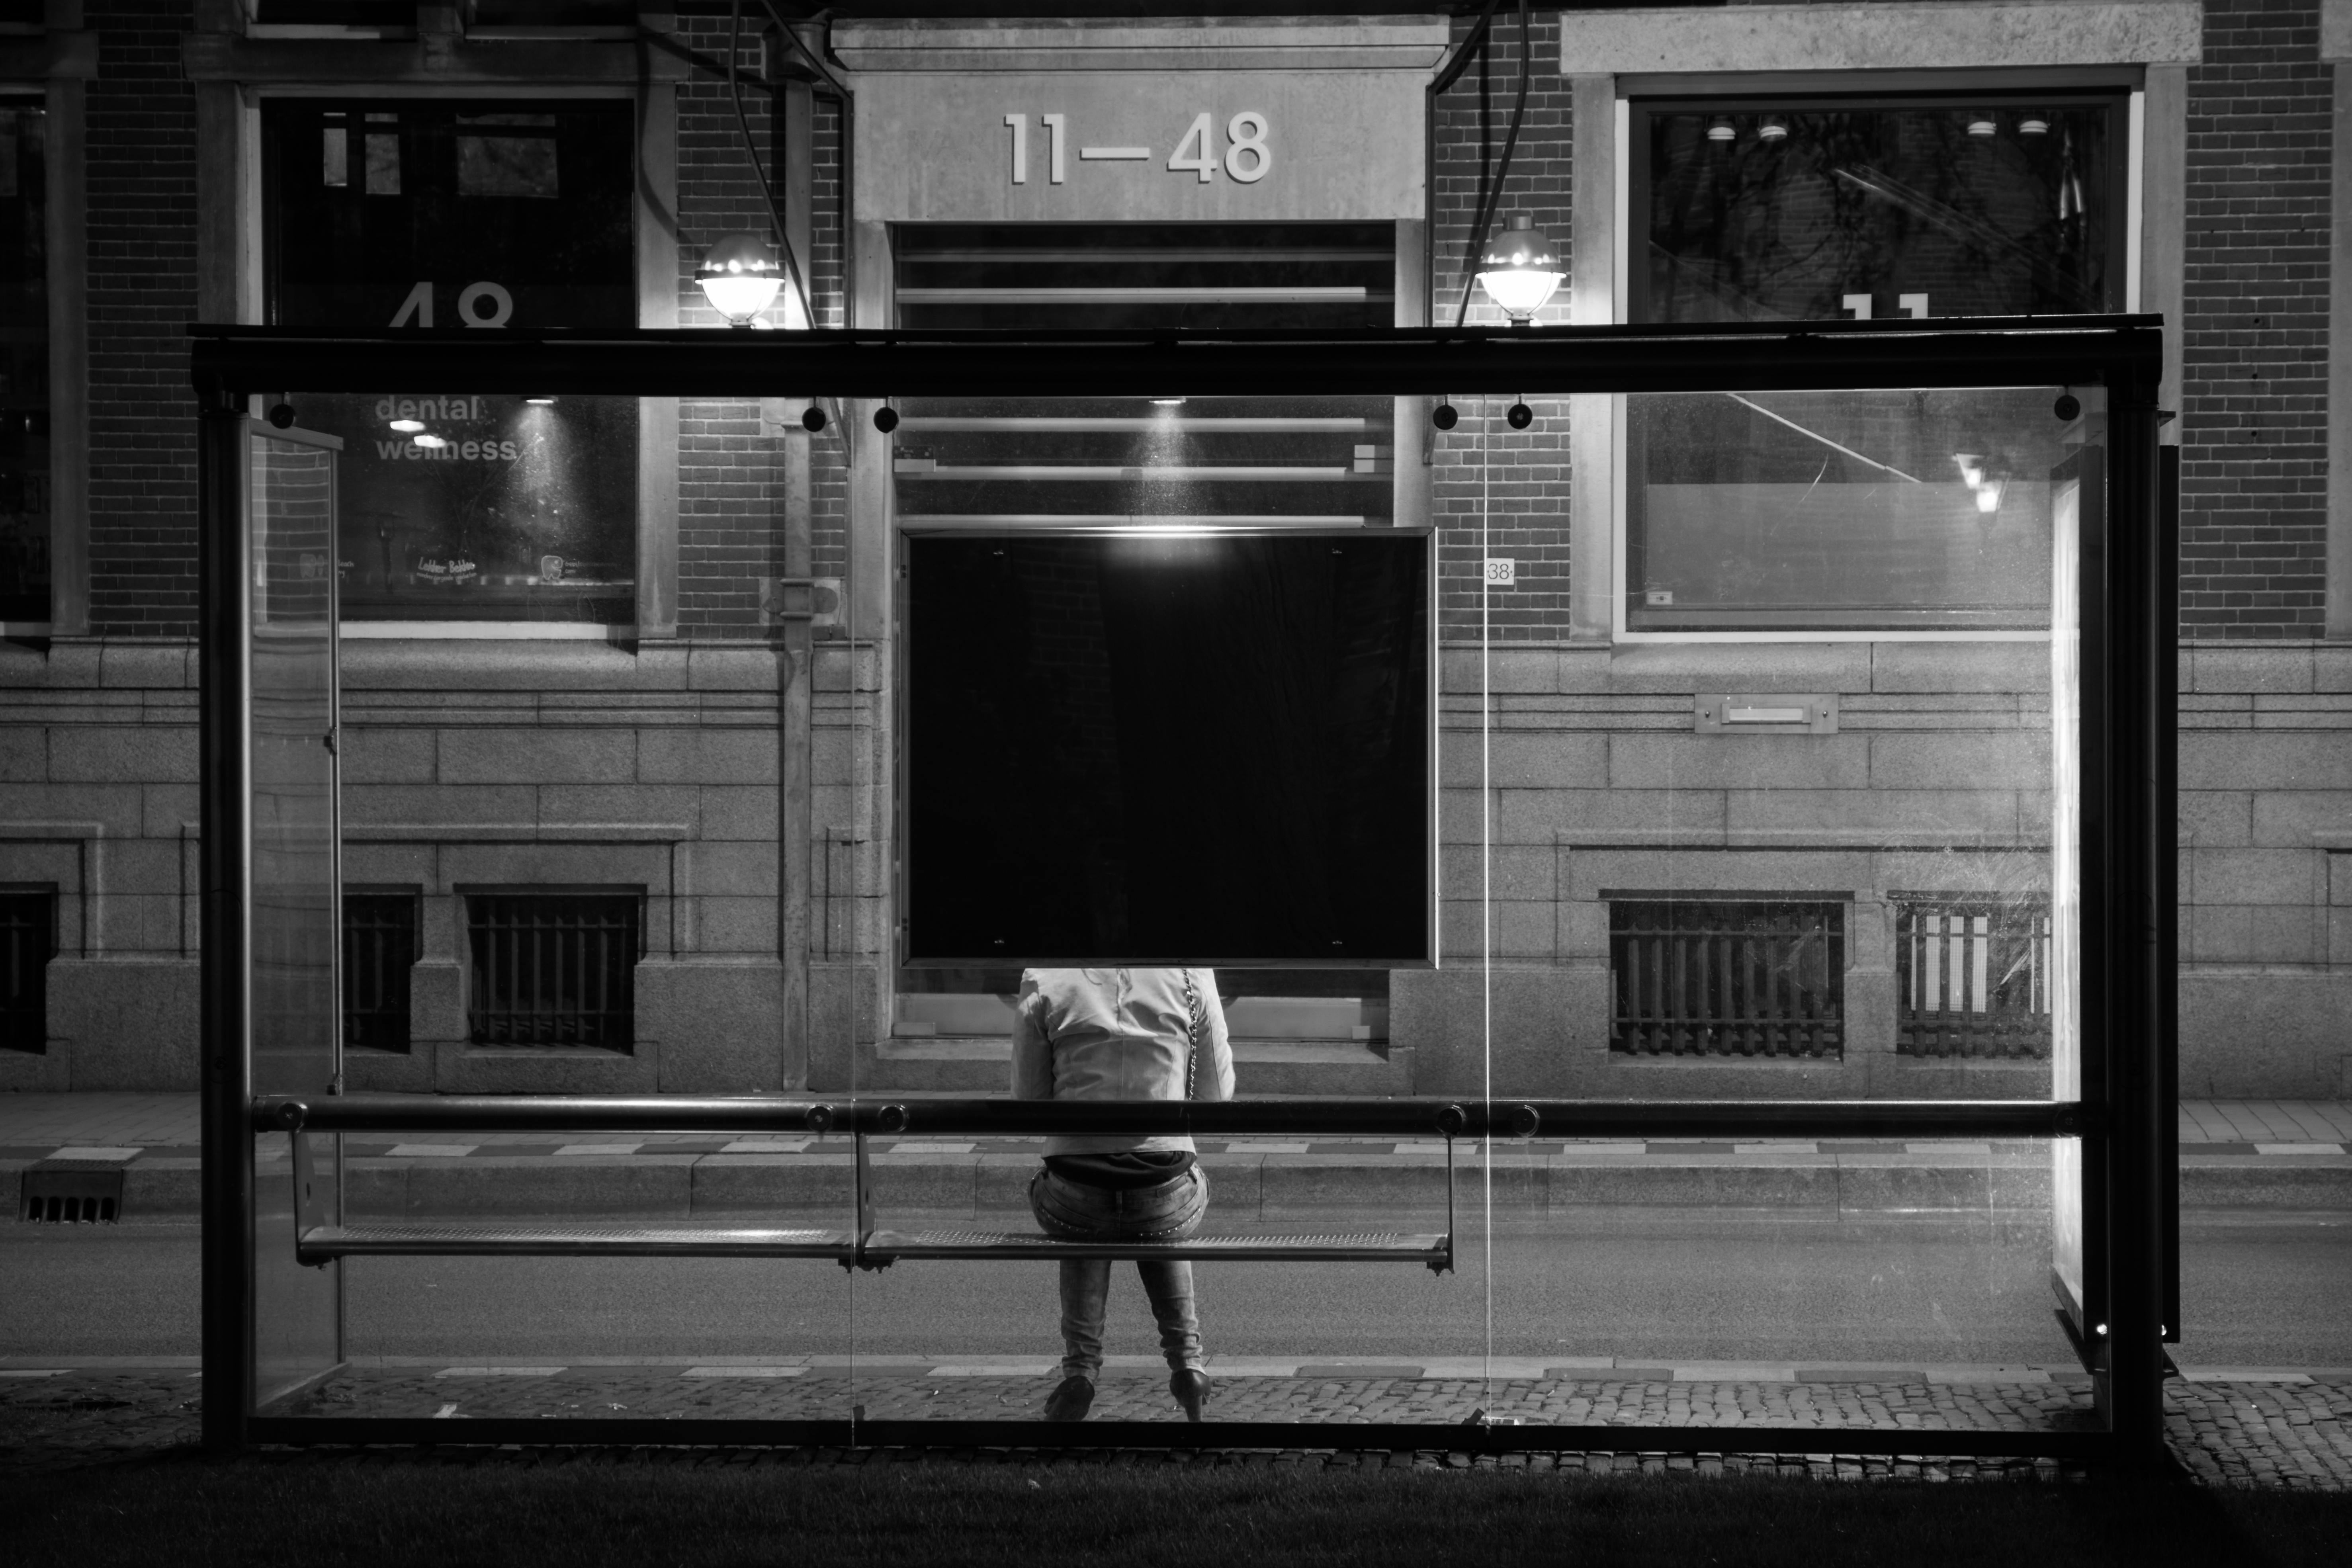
(796, 770)
(2135, 979)
(225, 788)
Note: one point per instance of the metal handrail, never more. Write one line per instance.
(1403, 1116)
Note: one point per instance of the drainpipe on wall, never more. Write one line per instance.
(1449, 72)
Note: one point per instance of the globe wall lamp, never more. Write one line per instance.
(1520, 269)
(741, 276)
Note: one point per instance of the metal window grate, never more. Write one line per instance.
(28, 940)
(70, 1194)
(1727, 978)
(554, 969)
(1973, 976)
(379, 947)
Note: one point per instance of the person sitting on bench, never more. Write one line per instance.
(1121, 1033)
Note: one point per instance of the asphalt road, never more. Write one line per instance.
(2260, 1290)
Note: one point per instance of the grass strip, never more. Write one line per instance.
(704, 1507)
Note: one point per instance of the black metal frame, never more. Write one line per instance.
(2124, 1117)
(31, 1017)
(1644, 108)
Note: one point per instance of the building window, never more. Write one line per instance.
(1727, 977)
(379, 947)
(408, 214)
(28, 940)
(490, 16)
(1973, 976)
(24, 366)
(385, 15)
(554, 968)
(1859, 512)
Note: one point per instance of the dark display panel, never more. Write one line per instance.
(1207, 749)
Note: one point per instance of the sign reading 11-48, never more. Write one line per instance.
(1245, 156)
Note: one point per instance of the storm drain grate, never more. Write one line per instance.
(71, 1194)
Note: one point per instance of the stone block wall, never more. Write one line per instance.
(1602, 788)
(97, 801)
(2266, 869)
(577, 765)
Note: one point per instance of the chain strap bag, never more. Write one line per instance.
(1192, 1033)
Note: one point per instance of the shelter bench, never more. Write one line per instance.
(320, 1238)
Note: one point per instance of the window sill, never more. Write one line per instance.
(518, 32)
(1830, 635)
(358, 32)
(486, 631)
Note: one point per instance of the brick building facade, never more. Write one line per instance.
(730, 752)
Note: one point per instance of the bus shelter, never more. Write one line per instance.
(2022, 453)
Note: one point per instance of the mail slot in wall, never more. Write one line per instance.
(1771, 713)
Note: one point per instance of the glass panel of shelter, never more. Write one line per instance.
(293, 1017)
(1147, 726)
(1846, 872)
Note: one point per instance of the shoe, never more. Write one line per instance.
(1190, 1387)
(1069, 1402)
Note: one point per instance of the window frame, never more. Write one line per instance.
(653, 196)
(15, 95)
(470, 924)
(1642, 106)
(1636, 97)
(52, 900)
(1835, 932)
(413, 897)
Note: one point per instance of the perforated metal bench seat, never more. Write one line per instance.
(558, 1238)
(886, 1247)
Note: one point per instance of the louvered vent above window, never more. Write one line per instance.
(1150, 464)
(1197, 276)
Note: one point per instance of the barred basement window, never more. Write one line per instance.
(1973, 976)
(28, 940)
(1727, 977)
(554, 969)
(379, 946)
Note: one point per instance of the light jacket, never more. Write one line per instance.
(1116, 1034)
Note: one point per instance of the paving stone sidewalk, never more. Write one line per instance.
(2276, 1435)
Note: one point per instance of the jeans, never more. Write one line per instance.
(1163, 1212)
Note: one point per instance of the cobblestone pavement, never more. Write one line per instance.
(2264, 1434)
(1139, 1394)
(2277, 1434)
